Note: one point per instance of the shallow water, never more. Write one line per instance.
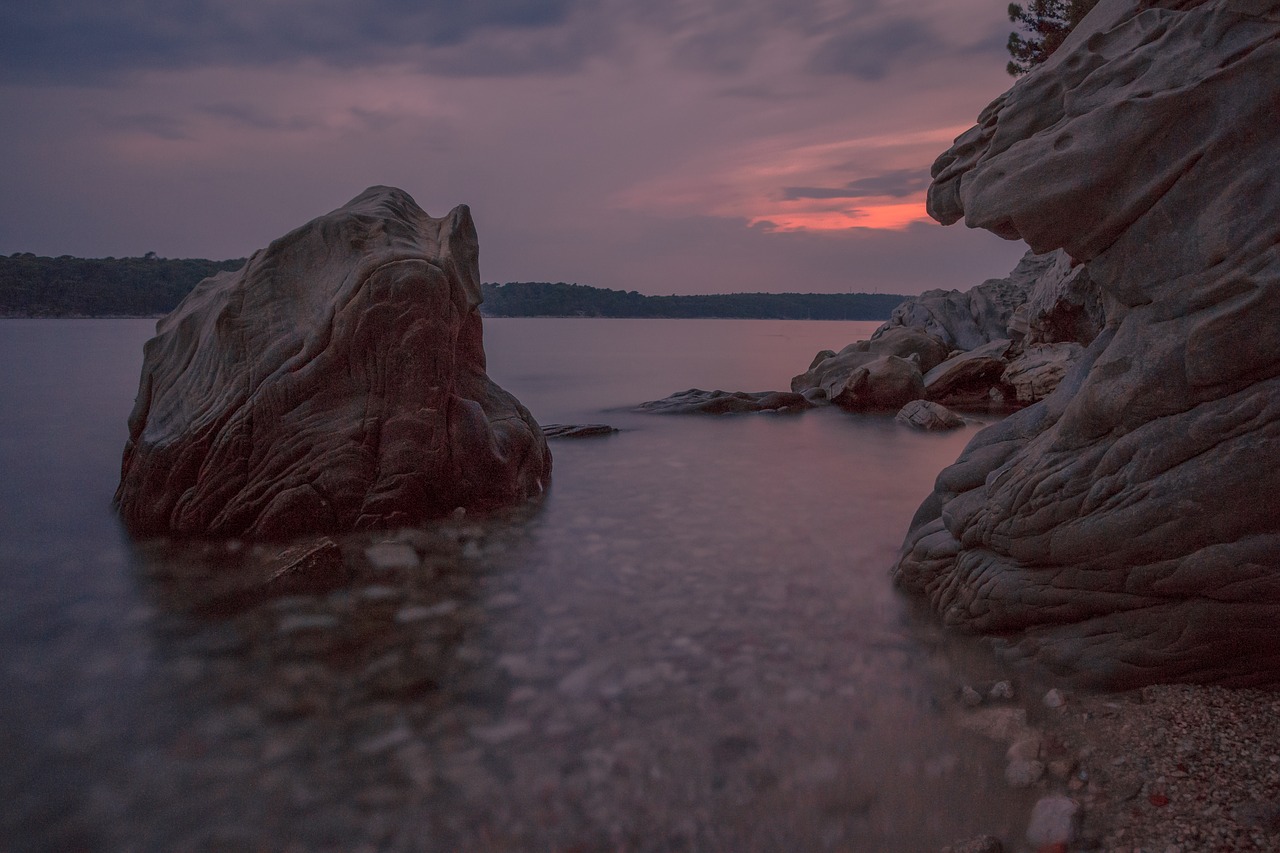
(691, 643)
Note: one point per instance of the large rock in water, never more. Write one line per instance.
(1127, 528)
(336, 382)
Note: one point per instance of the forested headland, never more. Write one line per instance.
(35, 286)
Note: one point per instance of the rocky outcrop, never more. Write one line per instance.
(1126, 529)
(695, 401)
(879, 374)
(336, 382)
(965, 320)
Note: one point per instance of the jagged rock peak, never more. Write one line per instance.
(335, 382)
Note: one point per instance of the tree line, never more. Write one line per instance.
(35, 286)
(544, 299)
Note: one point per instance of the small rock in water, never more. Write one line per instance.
(312, 567)
(391, 556)
(1054, 820)
(576, 430)
(1054, 699)
(1001, 690)
(1025, 748)
(970, 697)
(926, 415)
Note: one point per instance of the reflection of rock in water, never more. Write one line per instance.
(308, 696)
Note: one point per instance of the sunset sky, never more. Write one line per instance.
(664, 146)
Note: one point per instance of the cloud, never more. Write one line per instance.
(898, 183)
(868, 53)
(80, 41)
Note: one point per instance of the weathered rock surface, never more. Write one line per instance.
(926, 415)
(695, 401)
(1126, 529)
(1037, 371)
(336, 382)
(1063, 305)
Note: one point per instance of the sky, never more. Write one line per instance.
(663, 146)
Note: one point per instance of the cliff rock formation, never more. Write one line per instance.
(335, 382)
(1127, 528)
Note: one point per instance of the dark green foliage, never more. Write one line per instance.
(33, 286)
(1046, 24)
(541, 299)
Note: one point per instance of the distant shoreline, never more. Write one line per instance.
(65, 287)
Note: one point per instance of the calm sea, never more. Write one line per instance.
(691, 644)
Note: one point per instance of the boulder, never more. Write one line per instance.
(967, 379)
(851, 377)
(883, 384)
(695, 401)
(1126, 528)
(335, 382)
(926, 415)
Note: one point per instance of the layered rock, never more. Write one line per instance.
(336, 382)
(1127, 528)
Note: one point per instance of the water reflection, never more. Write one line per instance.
(691, 645)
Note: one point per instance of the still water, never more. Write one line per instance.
(690, 644)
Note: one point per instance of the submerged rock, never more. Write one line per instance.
(926, 415)
(699, 402)
(335, 382)
(577, 430)
(1125, 529)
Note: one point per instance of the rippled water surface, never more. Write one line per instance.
(691, 643)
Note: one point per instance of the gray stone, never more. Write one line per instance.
(335, 382)
(926, 415)
(1123, 530)
(1055, 819)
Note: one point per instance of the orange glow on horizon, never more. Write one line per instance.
(891, 216)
